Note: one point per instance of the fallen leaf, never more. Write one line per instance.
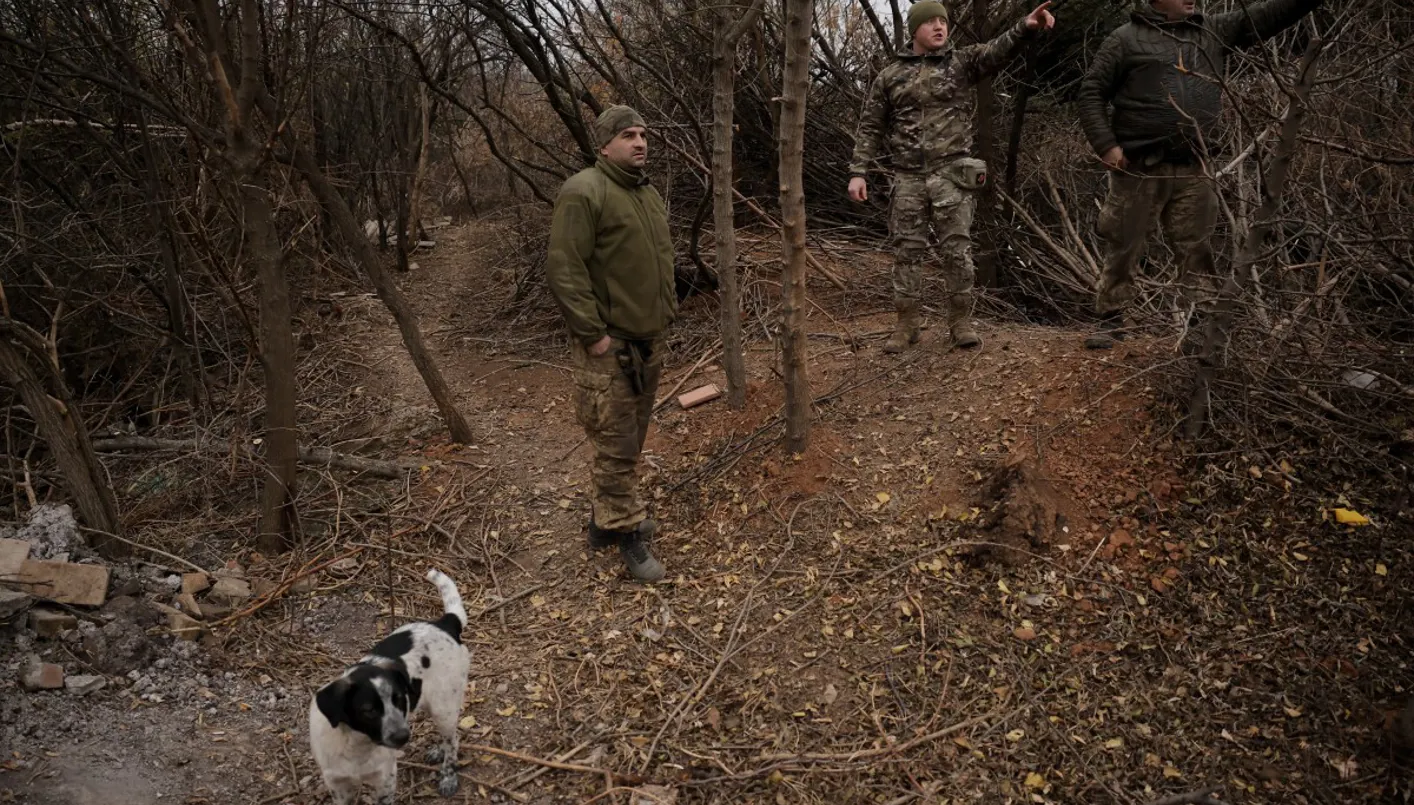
(1025, 633)
(1380, 569)
(1015, 735)
(1350, 517)
(467, 722)
(1170, 773)
(1034, 780)
(831, 694)
(1114, 743)
(508, 711)
(883, 497)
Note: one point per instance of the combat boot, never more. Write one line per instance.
(1111, 329)
(634, 548)
(960, 321)
(906, 330)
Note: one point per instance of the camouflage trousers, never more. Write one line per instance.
(1182, 198)
(615, 416)
(935, 200)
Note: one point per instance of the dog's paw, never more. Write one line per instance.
(448, 785)
(435, 754)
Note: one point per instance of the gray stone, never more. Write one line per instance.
(13, 602)
(39, 675)
(84, 683)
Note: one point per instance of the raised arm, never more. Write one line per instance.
(1258, 21)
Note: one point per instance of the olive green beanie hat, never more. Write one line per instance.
(919, 13)
(613, 120)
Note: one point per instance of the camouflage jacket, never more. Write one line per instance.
(920, 107)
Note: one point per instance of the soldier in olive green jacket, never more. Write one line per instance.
(1162, 72)
(610, 267)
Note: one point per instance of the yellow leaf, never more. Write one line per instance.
(1001, 585)
(1293, 712)
(1114, 743)
(537, 601)
(467, 722)
(1350, 517)
(1170, 773)
(1034, 780)
(1254, 471)
(508, 711)
(1380, 569)
(962, 741)
(1015, 735)
(883, 497)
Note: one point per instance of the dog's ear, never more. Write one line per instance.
(332, 700)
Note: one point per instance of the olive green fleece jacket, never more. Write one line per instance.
(611, 258)
(1164, 77)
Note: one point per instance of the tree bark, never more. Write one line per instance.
(795, 84)
(986, 254)
(277, 356)
(62, 428)
(383, 285)
(1219, 325)
(725, 39)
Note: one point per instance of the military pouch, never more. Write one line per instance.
(971, 174)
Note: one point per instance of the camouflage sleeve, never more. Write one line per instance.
(1098, 86)
(869, 137)
(572, 231)
(1253, 23)
(987, 59)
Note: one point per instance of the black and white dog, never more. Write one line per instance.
(359, 721)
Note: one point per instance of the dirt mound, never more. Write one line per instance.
(1027, 512)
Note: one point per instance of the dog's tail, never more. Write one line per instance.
(454, 618)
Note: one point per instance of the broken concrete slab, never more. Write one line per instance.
(13, 553)
(84, 684)
(13, 602)
(62, 582)
(187, 603)
(182, 625)
(37, 675)
(229, 590)
(50, 623)
(193, 583)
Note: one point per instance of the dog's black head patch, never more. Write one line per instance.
(374, 699)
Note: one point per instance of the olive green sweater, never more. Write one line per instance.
(610, 264)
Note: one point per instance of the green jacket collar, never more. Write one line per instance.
(1160, 21)
(624, 178)
(944, 52)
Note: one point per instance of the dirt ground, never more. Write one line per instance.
(993, 577)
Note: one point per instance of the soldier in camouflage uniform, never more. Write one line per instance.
(610, 266)
(1161, 72)
(919, 109)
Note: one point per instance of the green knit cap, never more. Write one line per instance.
(613, 120)
(919, 13)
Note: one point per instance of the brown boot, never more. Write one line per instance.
(960, 321)
(906, 330)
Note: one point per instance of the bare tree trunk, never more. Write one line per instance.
(1215, 335)
(986, 255)
(420, 171)
(277, 355)
(725, 38)
(62, 428)
(383, 284)
(795, 84)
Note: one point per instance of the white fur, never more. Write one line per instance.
(349, 759)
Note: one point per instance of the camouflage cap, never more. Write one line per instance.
(613, 120)
(919, 13)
